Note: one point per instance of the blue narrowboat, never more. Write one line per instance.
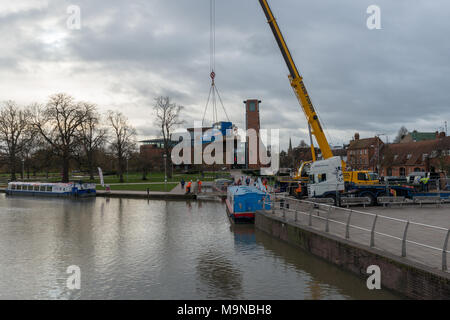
(243, 201)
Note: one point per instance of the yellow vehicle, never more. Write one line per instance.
(361, 177)
(314, 126)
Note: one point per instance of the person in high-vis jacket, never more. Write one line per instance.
(424, 181)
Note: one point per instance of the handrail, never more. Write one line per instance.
(327, 209)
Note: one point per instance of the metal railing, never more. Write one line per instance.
(285, 206)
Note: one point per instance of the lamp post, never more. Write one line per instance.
(23, 169)
(127, 168)
(165, 172)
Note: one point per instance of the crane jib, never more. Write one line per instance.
(297, 84)
(279, 39)
(305, 92)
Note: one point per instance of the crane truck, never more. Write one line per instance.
(327, 177)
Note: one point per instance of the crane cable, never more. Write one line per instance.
(213, 91)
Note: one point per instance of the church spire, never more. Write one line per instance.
(290, 146)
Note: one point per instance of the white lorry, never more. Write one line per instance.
(326, 179)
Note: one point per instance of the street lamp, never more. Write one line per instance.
(165, 171)
(127, 168)
(23, 169)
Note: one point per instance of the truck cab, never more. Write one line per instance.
(326, 178)
(361, 177)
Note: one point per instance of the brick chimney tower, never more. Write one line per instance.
(252, 122)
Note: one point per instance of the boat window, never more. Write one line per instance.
(13, 186)
(311, 178)
(50, 188)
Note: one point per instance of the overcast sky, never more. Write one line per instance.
(128, 52)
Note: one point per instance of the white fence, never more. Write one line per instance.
(424, 243)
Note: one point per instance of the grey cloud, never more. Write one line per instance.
(359, 80)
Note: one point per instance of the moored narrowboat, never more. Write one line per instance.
(243, 201)
(71, 189)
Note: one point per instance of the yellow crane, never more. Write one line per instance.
(299, 87)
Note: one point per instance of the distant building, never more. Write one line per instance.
(152, 151)
(364, 154)
(416, 136)
(427, 155)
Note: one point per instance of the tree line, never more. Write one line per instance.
(65, 133)
(61, 133)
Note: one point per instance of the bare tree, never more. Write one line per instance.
(58, 123)
(303, 144)
(123, 139)
(167, 118)
(92, 136)
(15, 133)
(402, 132)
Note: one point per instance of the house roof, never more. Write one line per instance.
(420, 136)
(412, 153)
(364, 143)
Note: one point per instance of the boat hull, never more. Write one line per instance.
(51, 194)
(241, 217)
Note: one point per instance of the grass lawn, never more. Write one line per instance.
(131, 178)
(158, 177)
(141, 187)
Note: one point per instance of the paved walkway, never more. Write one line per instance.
(386, 229)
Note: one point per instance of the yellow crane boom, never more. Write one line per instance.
(298, 85)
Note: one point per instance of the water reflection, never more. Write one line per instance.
(138, 249)
(222, 278)
(320, 276)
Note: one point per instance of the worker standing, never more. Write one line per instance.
(424, 182)
(188, 187)
(182, 182)
(199, 186)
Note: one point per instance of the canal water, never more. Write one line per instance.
(138, 249)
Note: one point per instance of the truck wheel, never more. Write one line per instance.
(373, 200)
(332, 197)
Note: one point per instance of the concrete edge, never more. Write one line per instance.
(148, 197)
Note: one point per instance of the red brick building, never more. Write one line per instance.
(152, 151)
(364, 154)
(400, 159)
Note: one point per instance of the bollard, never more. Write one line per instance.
(372, 233)
(148, 193)
(444, 252)
(404, 240)
(347, 227)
